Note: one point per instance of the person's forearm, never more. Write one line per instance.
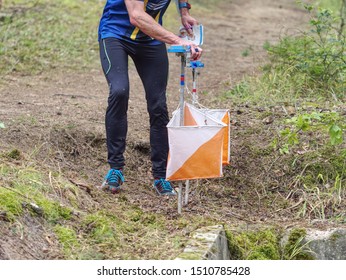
(143, 21)
(150, 27)
(140, 19)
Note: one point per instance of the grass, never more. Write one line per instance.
(307, 141)
(269, 244)
(121, 231)
(10, 204)
(68, 239)
(334, 5)
(254, 245)
(310, 65)
(43, 35)
(23, 187)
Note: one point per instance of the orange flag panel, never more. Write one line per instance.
(204, 163)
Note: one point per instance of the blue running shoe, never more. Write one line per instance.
(163, 187)
(113, 180)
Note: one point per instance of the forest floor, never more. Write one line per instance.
(57, 118)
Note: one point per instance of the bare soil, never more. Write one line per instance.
(58, 118)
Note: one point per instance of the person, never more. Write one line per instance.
(133, 28)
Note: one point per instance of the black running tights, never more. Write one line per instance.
(152, 66)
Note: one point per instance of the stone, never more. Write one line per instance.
(327, 245)
(208, 243)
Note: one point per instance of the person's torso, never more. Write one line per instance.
(115, 21)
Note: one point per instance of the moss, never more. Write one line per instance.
(147, 219)
(254, 245)
(29, 182)
(11, 203)
(91, 255)
(135, 215)
(31, 175)
(295, 248)
(296, 235)
(235, 249)
(14, 154)
(151, 219)
(182, 223)
(68, 239)
(101, 228)
(53, 211)
(178, 242)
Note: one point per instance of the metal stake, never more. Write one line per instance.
(194, 87)
(187, 189)
(180, 197)
(182, 88)
(182, 101)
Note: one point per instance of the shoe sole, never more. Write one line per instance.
(106, 188)
(164, 194)
(114, 190)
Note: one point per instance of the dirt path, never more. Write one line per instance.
(61, 115)
(43, 108)
(79, 99)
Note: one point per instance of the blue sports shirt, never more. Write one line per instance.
(115, 21)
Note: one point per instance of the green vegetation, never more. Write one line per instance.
(10, 204)
(295, 248)
(305, 80)
(333, 5)
(330, 122)
(68, 239)
(122, 232)
(43, 35)
(315, 61)
(267, 244)
(254, 245)
(25, 190)
(14, 154)
(309, 65)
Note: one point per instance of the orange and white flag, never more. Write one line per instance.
(223, 115)
(196, 148)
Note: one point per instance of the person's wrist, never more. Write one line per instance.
(184, 6)
(184, 12)
(177, 41)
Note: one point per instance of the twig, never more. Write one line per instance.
(292, 207)
(259, 198)
(271, 165)
(238, 217)
(301, 174)
(88, 188)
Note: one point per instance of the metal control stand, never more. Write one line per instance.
(183, 52)
(193, 65)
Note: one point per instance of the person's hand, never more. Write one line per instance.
(188, 21)
(196, 51)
